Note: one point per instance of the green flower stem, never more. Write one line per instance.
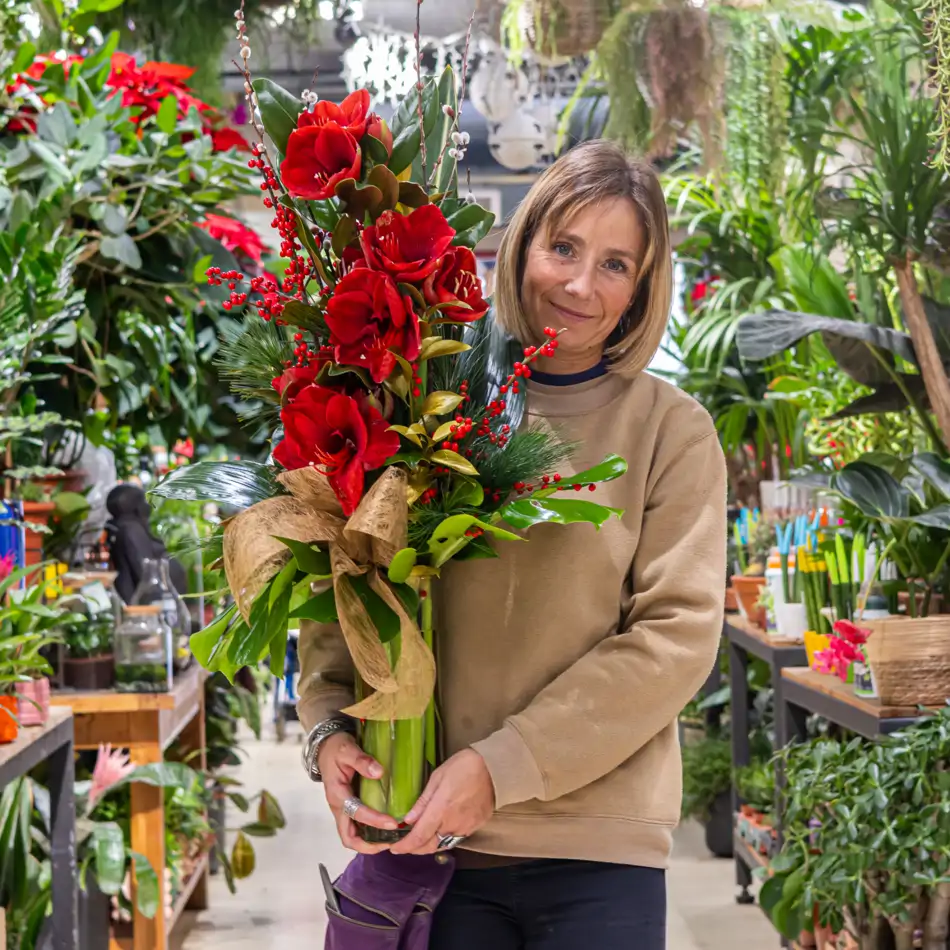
(425, 593)
(378, 743)
(408, 765)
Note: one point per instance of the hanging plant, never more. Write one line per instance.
(621, 59)
(756, 113)
(936, 16)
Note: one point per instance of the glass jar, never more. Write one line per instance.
(143, 651)
(156, 587)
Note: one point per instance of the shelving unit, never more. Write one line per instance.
(747, 640)
(146, 724)
(53, 742)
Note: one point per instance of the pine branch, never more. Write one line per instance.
(252, 355)
(527, 455)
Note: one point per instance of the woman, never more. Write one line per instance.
(570, 657)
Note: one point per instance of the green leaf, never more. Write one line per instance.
(123, 249)
(872, 491)
(303, 315)
(231, 484)
(384, 618)
(279, 111)
(108, 849)
(439, 403)
(167, 115)
(407, 139)
(374, 149)
(146, 885)
(207, 642)
(434, 346)
(402, 563)
(612, 467)
(935, 470)
(472, 222)
(310, 559)
(451, 536)
(454, 461)
(531, 511)
(258, 829)
(320, 608)
(25, 55)
(269, 812)
(938, 517)
(242, 857)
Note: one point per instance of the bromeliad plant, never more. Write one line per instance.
(401, 404)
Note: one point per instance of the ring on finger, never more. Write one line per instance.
(448, 842)
(351, 806)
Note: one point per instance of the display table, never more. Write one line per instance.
(146, 724)
(747, 640)
(53, 742)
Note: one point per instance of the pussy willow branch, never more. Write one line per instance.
(419, 108)
(461, 99)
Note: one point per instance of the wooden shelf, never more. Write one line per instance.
(764, 645)
(34, 744)
(827, 696)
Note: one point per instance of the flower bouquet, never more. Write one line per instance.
(397, 405)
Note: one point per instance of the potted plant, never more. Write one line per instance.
(707, 791)
(89, 663)
(26, 625)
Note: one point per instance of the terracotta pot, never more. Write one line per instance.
(824, 935)
(68, 481)
(936, 602)
(36, 512)
(732, 602)
(9, 727)
(806, 940)
(747, 591)
(33, 702)
(89, 673)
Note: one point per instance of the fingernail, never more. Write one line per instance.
(375, 771)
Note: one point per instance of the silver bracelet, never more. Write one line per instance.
(317, 736)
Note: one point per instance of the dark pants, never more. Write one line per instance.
(553, 905)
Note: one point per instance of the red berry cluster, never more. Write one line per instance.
(216, 277)
(416, 381)
(429, 495)
(460, 430)
(474, 532)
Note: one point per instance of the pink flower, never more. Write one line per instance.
(112, 766)
(7, 564)
(851, 632)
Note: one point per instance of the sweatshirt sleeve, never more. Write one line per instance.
(606, 706)
(326, 673)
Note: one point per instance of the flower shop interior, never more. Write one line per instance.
(151, 796)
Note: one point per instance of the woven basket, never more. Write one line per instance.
(564, 28)
(910, 660)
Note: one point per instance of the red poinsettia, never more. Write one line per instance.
(225, 137)
(456, 278)
(343, 436)
(408, 247)
(318, 159)
(237, 237)
(369, 320)
(351, 115)
(145, 87)
(293, 379)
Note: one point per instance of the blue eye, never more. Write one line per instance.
(620, 266)
(562, 248)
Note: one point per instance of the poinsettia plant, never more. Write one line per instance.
(397, 407)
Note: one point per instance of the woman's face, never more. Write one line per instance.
(581, 275)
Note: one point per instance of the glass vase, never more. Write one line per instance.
(405, 748)
(156, 588)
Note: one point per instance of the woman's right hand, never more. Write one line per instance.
(340, 760)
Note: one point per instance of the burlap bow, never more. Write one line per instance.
(358, 546)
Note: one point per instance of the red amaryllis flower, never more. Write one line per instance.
(368, 318)
(352, 258)
(224, 138)
(318, 159)
(409, 247)
(343, 436)
(294, 379)
(380, 130)
(351, 114)
(456, 278)
(235, 236)
(851, 632)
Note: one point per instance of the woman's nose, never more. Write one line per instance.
(581, 281)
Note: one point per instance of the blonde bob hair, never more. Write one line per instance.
(589, 173)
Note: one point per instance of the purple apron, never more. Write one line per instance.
(385, 901)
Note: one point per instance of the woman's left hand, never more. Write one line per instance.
(458, 800)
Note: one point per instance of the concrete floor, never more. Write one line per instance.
(281, 906)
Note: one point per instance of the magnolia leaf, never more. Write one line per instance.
(384, 180)
(242, 857)
(344, 234)
(465, 491)
(384, 618)
(358, 200)
(454, 461)
(440, 402)
(230, 484)
(279, 111)
(310, 559)
(320, 608)
(375, 149)
(531, 511)
(472, 223)
(434, 346)
(412, 195)
(401, 565)
(873, 491)
(303, 315)
(443, 432)
(407, 138)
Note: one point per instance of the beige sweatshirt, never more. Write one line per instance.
(566, 661)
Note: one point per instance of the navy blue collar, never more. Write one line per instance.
(569, 379)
